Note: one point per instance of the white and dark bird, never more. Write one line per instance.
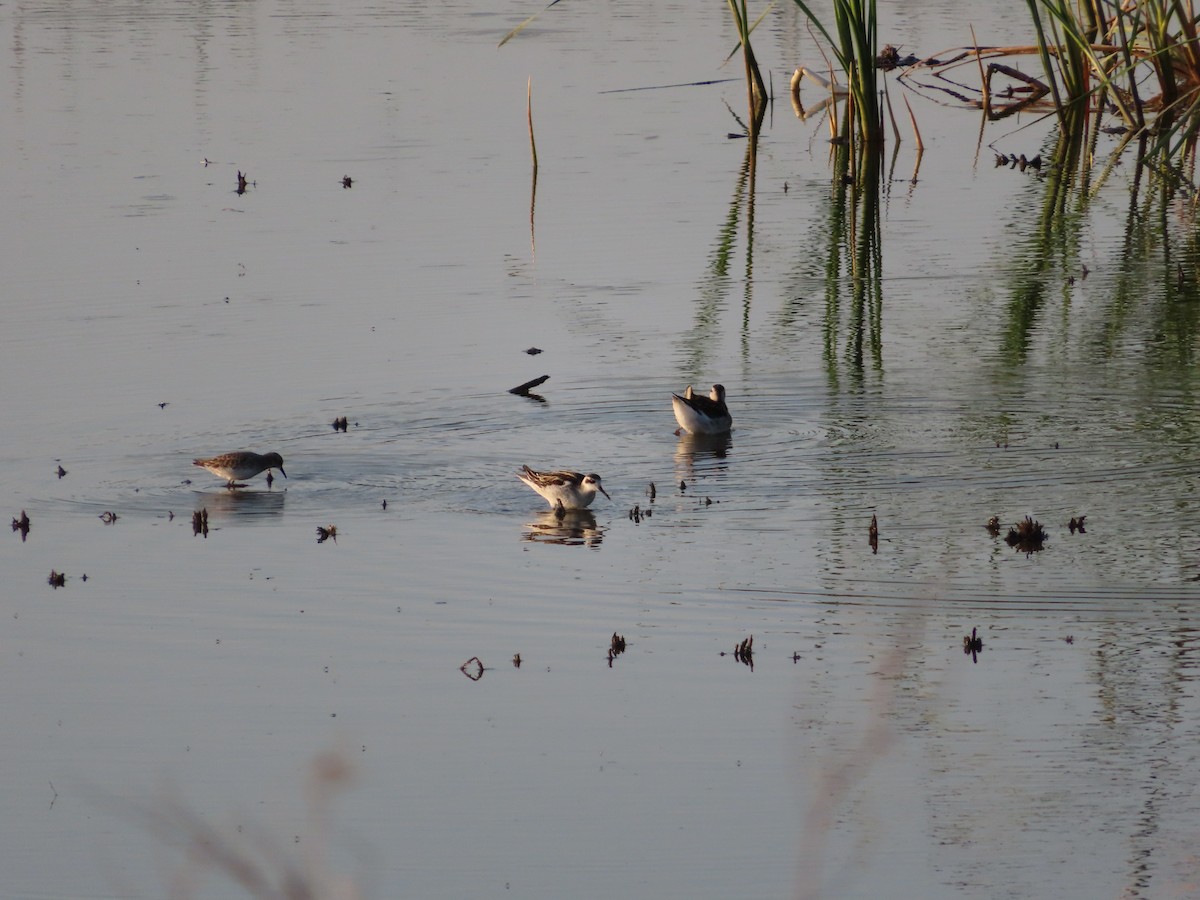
(571, 490)
(702, 415)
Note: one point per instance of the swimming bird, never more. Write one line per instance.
(571, 490)
(702, 415)
(240, 465)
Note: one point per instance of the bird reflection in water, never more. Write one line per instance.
(572, 527)
(693, 448)
(225, 504)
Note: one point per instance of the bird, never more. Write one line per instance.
(240, 465)
(702, 415)
(570, 490)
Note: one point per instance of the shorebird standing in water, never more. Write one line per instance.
(570, 490)
(240, 465)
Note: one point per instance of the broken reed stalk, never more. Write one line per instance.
(529, 116)
(983, 83)
(916, 131)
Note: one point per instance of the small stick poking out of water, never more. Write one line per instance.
(744, 652)
(973, 645)
(472, 668)
(873, 535)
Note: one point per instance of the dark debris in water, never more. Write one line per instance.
(108, 518)
(973, 645)
(637, 514)
(993, 526)
(1021, 162)
(200, 522)
(523, 390)
(57, 579)
(341, 424)
(347, 182)
(473, 668)
(533, 351)
(615, 648)
(516, 660)
(61, 471)
(743, 652)
(325, 534)
(873, 535)
(1027, 535)
(21, 525)
(1076, 524)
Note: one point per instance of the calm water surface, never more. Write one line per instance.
(191, 686)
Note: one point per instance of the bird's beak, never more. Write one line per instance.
(600, 488)
(281, 472)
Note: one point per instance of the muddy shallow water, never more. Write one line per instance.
(193, 676)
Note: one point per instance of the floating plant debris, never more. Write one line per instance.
(472, 668)
(385, 504)
(1076, 524)
(533, 351)
(522, 390)
(340, 424)
(61, 471)
(873, 535)
(21, 525)
(242, 182)
(56, 579)
(973, 645)
(324, 534)
(163, 405)
(652, 491)
(516, 660)
(1013, 161)
(743, 652)
(993, 526)
(200, 522)
(637, 514)
(347, 181)
(682, 485)
(615, 648)
(108, 517)
(1027, 535)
